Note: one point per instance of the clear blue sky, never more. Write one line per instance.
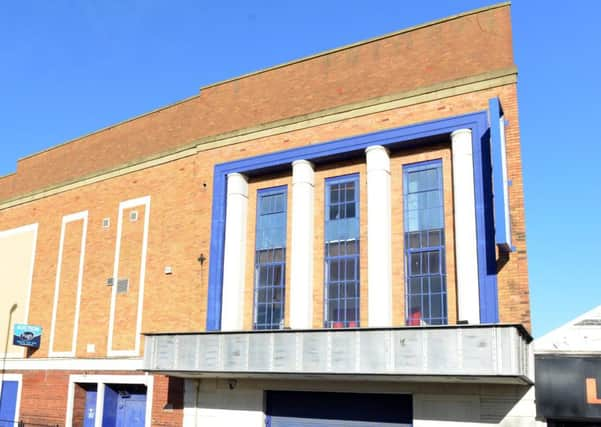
(70, 67)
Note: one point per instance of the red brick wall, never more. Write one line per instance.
(457, 48)
(44, 397)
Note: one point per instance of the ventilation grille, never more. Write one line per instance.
(122, 286)
(133, 216)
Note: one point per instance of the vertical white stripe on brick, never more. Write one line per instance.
(466, 256)
(301, 276)
(234, 266)
(379, 238)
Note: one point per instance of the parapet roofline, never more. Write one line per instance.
(360, 43)
(275, 67)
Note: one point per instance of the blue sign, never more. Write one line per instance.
(27, 335)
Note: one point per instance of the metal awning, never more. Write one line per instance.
(478, 353)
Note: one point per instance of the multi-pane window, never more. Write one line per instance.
(341, 293)
(270, 259)
(425, 268)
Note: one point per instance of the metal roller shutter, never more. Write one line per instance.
(318, 409)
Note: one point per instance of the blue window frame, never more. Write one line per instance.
(425, 265)
(341, 269)
(270, 258)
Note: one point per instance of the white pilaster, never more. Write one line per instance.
(301, 277)
(379, 235)
(466, 256)
(235, 253)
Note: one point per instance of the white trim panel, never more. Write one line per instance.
(128, 204)
(72, 364)
(379, 238)
(466, 254)
(301, 268)
(6, 233)
(66, 220)
(234, 261)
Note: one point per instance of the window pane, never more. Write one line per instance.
(415, 285)
(333, 248)
(350, 269)
(414, 240)
(350, 192)
(433, 261)
(434, 238)
(436, 306)
(334, 212)
(350, 210)
(415, 264)
(436, 284)
(333, 290)
(334, 194)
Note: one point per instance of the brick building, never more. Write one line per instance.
(339, 239)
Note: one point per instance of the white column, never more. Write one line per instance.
(466, 256)
(301, 276)
(234, 260)
(379, 235)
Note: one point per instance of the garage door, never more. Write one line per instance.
(309, 409)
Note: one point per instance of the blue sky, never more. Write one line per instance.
(70, 67)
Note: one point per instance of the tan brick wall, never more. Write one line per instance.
(461, 47)
(180, 217)
(67, 296)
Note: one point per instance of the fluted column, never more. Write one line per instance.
(379, 244)
(466, 255)
(234, 260)
(301, 276)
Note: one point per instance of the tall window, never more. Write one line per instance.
(270, 258)
(425, 268)
(342, 252)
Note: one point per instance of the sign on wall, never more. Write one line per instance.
(27, 335)
(568, 387)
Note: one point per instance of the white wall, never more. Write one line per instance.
(216, 405)
(212, 403)
(17, 257)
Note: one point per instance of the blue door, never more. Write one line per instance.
(131, 410)
(8, 403)
(124, 405)
(90, 410)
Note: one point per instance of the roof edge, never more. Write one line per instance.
(286, 64)
(103, 129)
(359, 43)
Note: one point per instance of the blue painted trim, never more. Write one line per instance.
(485, 229)
(343, 178)
(272, 190)
(399, 137)
(418, 166)
(500, 184)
